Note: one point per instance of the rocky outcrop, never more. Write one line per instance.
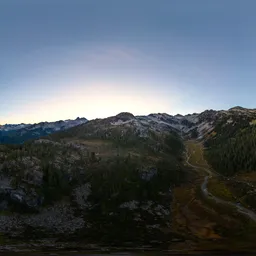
(56, 219)
(81, 194)
(19, 200)
(148, 174)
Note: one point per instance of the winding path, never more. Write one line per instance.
(205, 191)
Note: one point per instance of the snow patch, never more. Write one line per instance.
(204, 128)
(120, 122)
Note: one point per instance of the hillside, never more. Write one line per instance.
(103, 175)
(231, 140)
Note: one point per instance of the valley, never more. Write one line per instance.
(154, 181)
(197, 149)
(211, 215)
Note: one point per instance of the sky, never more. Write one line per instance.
(61, 59)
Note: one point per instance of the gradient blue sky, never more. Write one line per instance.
(61, 59)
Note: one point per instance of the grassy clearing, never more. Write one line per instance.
(221, 209)
(96, 144)
(249, 177)
(195, 151)
(203, 220)
(103, 148)
(191, 217)
(219, 189)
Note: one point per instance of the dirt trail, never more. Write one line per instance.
(206, 193)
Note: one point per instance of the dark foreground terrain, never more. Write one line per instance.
(126, 183)
(128, 254)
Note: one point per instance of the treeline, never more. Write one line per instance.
(234, 154)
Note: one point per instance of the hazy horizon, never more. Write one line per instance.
(102, 117)
(93, 59)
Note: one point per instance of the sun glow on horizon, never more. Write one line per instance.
(98, 100)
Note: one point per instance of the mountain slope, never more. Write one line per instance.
(230, 140)
(108, 174)
(217, 129)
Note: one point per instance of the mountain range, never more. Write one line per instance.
(196, 125)
(19, 133)
(131, 181)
